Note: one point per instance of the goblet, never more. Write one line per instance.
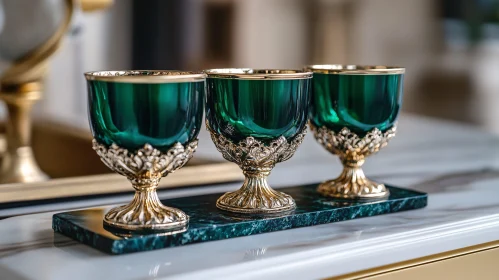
(256, 119)
(353, 115)
(145, 126)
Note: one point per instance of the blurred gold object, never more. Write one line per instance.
(20, 87)
(18, 163)
(95, 5)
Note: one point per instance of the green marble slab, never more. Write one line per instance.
(207, 223)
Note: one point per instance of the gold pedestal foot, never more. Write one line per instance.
(256, 197)
(146, 212)
(19, 166)
(353, 184)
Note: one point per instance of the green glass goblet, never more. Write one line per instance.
(145, 125)
(257, 118)
(353, 115)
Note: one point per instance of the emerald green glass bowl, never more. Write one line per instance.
(158, 112)
(358, 98)
(257, 118)
(145, 125)
(261, 108)
(353, 114)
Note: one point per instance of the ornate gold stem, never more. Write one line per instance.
(144, 169)
(352, 184)
(352, 150)
(256, 159)
(146, 211)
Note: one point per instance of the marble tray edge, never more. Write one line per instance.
(112, 246)
(81, 234)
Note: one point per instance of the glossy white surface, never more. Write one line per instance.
(456, 165)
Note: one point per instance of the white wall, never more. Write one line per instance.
(99, 41)
(394, 32)
(270, 34)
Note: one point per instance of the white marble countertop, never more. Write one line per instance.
(457, 165)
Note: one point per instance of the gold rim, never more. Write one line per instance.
(146, 76)
(258, 74)
(355, 69)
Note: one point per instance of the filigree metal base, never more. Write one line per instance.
(146, 212)
(352, 150)
(144, 169)
(256, 159)
(353, 184)
(256, 197)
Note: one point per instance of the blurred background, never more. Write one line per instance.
(449, 47)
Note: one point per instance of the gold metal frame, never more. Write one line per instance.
(455, 264)
(354, 69)
(95, 5)
(258, 74)
(198, 175)
(146, 76)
